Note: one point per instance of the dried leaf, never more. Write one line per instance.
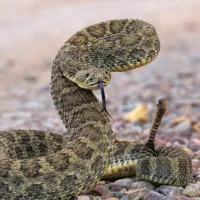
(196, 127)
(178, 120)
(138, 114)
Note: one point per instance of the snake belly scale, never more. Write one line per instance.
(41, 165)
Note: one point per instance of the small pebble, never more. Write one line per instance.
(118, 194)
(127, 183)
(155, 196)
(137, 194)
(102, 190)
(96, 198)
(183, 128)
(82, 197)
(173, 195)
(137, 129)
(192, 190)
(166, 189)
(143, 184)
(125, 197)
(111, 198)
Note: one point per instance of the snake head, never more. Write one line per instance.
(89, 78)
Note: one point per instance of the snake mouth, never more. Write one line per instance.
(92, 86)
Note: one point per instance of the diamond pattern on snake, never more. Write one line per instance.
(41, 165)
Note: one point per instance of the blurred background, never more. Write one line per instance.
(32, 32)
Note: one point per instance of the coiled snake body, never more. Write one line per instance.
(40, 165)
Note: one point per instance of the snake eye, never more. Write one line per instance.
(87, 75)
(91, 79)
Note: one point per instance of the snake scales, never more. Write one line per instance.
(40, 165)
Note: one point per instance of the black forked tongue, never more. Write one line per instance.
(100, 86)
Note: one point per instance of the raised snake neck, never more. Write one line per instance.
(40, 172)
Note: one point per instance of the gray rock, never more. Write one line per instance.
(127, 183)
(166, 189)
(96, 198)
(102, 190)
(82, 197)
(118, 195)
(136, 128)
(137, 194)
(143, 184)
(183, 128)
(125, 197)
(176, 196)
(155, 196)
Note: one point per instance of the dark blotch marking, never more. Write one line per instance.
(151, 53)
(8, 136)
(97, 163)
(90, 132)
(19, 152)
(117, 26)
(97, 30)
(35, 191)
(136, 148)
(17, 180)
(148, 43)
(76, 98)
(157, 45)
(57, 148)
(24, 138)
(30, 151)
(78, 39)
(43, 148)
(68, 181)
(50, 179)
(83, 151)
(142, 164)
(163, 168)
(60, 161)
(40, 135)
(19, 197)
(183, 167)
(30, 168)
(5, 167)
(57, 138)
(100, 58)
(136, 54)
(150, 31)
(4, 191)
(134, 27)
(130, 42)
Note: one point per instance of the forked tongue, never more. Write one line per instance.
(100, 86)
